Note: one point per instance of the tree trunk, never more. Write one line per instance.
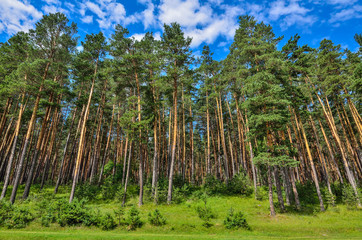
(82, 136)
(279, 189)
(12, 153)
(170, 179)
(270, 192)
(128, 173)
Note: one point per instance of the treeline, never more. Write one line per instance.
(146, 110)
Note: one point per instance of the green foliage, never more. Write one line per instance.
(235, 220)
(156, 218)
(213, 185)
(330, 198)
(14, 216)
(119, 213)
(349, 198)
(20, 218)
(262, 193)
(108, 189)
(239, 184)
(307, 193)
(180, 193)
(205, 212)
(133, 220)
(6, 210)
(86, 191)
(107, 222)
(46, 219)
(75, 213)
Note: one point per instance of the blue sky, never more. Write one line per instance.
(210, 22)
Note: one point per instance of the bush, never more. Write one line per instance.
(213, 185)
(349, 198)
(46, 219)
(240, 184)
(262, 193)
(133, 220)
(6, 210)
(205, 213)
(120, 193)
(19, 219)
(109, 189)
(235, 220)
(14, 217)
(87, 191)
(75, 213)
(119, 213)
(156, 218)
(107, 222)
(307, 193)
(330, 198)
(179, 195)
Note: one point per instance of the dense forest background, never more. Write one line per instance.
(149, 113)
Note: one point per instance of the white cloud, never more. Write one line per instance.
(280, 8)
(296, 19)
(138, 36)
(53, 6)
(290, 13)
(17, 15)
(341, 2)
(355, 12)
(87, 19)
(257, 11)
(222, 25)
(157, 35)
(283, 12)
(148, 17)
(107, 13)
(188, 13)
(95, 9)
(199, 20)
(80, 48)
(51, 1)
(70, 6)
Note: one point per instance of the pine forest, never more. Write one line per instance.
(147, 121)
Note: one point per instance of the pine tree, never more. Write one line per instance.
(177, 52)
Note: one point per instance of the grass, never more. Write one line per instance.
(183, 222)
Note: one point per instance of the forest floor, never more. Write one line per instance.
(183, 222)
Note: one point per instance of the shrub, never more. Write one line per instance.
(75, 213)
(179, 195)
(205, 213)
(119, 213)
(213, 185)
(14, 217)
(156, 218)
(262, 193)
(307, 193)
(107, 222)
(46, 219)
(235, 220)
(108, 189)
(19, 219)
(6, 210)
(86, 191)
(330, 197)
(120, 193)
(133, 220)
(240, 184)
(349, 198)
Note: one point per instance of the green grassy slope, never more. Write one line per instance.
(184, 223)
